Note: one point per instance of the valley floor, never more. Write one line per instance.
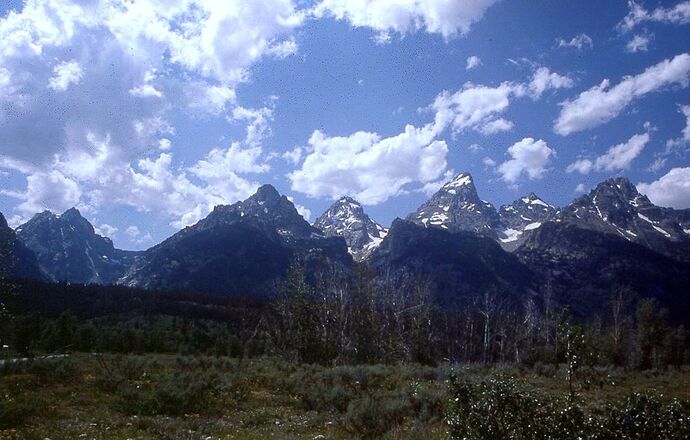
(182, 397)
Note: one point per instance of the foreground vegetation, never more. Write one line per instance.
(337, 360)
(199, 397)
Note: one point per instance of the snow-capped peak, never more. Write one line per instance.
(346, 218)
(457, 207)
(462, 179)
(525, 214)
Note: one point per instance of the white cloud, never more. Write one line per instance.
(618, 157)
(582, 166)
(51, 191)
(370, 168)
(678, 14)
(301, 210)
(528, 156)
(136, 236)
(685, 134)
(672, 189)
(580, 188)
(382, 38)
(602, 103)
(293, 156)
(473, 106)
(106, 230)
(544, 79)
(496, 126)
(475, 148)
(447, 18)
(431, 187)
(657, 165)
(488, 162)
(204, 100)
(579, 41)
(477, 107)
(164, 144)
(149, 57)
(133, 231)
(639, 43)
(64, 75)
(473, 62)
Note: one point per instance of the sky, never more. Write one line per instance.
(145, 114)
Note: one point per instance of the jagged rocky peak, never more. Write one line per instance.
(611, 195)
(68, 248)
(346, 218)
(266, 208)
(457, 207)
(616, 207)
(524, 214)
(241, 249)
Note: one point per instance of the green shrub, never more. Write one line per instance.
(644, 416)
(174, 394)
(15, 410)
(498, 408)
(370, 417)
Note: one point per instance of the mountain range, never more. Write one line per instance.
(458, 243)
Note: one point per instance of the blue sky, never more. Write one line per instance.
(146, 115)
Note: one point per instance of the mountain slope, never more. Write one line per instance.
(68, 249)
(459, 265)
(346, 218)
(583, 266)
(616, 207)
(16, 260)
(244, 248)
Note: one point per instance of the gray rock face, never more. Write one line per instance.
(68, 249)
(457, 207)
(240, 249)
(616, 207)
(523, 215)
(346, 218)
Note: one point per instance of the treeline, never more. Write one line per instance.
(332, 322)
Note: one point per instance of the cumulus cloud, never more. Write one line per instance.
(528, 156)
(618, 157)
(580, 188)
(113, 71)
(478, 107)
(672, 189)
(368, 167)
(473, 62)
(544, 79)
(579, 41)
(106, 230)
(51, 191)
(64, 75)
(474, 106)
(678, 14)
(639, 43)
(447, 18)
(602, 103)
